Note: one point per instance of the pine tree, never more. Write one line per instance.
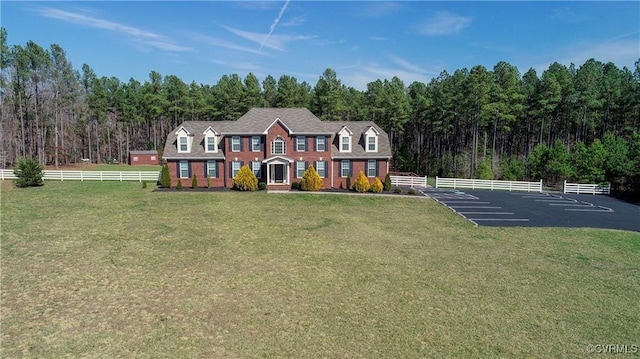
(311, 181)
(165, 177)
(29, 173)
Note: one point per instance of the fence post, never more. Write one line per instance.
(540, 186)
(100, 176)
(120, 176)
(564, 186)
(436, 181)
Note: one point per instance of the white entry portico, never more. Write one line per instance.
(278, 169)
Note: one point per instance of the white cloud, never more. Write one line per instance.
(378, 8)
(379, 38)
(294, 21)
(221, 43)
(444, 23)
(143, 36)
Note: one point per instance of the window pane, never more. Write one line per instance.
(255, 143)
(255, 167)
(346, 142)
(184, 169)
(344, 170)
(320, 144)
(300, 169)
(235, 143)
(320, 169)
(235, 168)
(372, 143)
(211, 144)
(211, 169)
(301, 142)
(371, 168)
(183, 143)
(278, 147)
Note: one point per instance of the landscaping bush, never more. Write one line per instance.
(362, 183)
(262, 186)
(376, 186)
(165, 177)
(29, 173)
(245, 180)
(411, 191)
(311, 181)
(397, 190)
(348, 182)
(295, 185)
(387, 182)
(144, 184)
(194, 182)
(179, 185)
(208, 183)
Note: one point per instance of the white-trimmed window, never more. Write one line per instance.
(212, 169)
(278, 147)
(184, 169)
(372, 143)
(256, 144)
(345, 143)
(235, 168)
(345, 168)
(256, 167)
(183, 144)
(321, 169)
(236, 146)
(300, 168)
(301, 143)
(371, 168)
(211, 144)
(321, 144)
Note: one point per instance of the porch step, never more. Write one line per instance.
(278, 187)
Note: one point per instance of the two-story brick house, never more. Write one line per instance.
(278, 144)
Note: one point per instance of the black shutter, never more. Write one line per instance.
(377, 168)
(230, 169)
(350, 168)
(189, 168)
(178, 168)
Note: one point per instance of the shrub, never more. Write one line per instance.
(262, 186)
(29, 173)
(348, 182)
(179, 185)
(411, 191)
(208, 182)
(295, 185)
(245, 180)
(194, 182)
(397, 190)
(165, 177)
(484, 170)
(311, 181)
(376, 186)
(144, 184)
(362, 183)
(387, 182)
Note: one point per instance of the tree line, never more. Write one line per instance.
(470, 123)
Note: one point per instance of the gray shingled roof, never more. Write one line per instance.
(299, 120)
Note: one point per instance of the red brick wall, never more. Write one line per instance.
(197, 169)
(143, 159)
(357, 165)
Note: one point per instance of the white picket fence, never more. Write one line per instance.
(489, 184)
(586, 188)
(56, 175)
(409, 181)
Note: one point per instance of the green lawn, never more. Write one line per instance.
(105, 270)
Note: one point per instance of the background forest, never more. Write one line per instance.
(579, 123)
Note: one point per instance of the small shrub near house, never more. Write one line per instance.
(295, 185)
(208, 183)
(348, 182)
(387, 182)
(245, 180)
(376, 186)
(194, 182)
(144, 184)
(262, 186)
(397, 190)
(411, 191)
(165, 177)
(311, 181)
(362, 183)
(179, 185)
(29, 173)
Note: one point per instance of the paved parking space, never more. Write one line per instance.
(500, 208)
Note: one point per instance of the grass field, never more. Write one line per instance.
(105, 270)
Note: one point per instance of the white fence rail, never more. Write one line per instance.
(586, 188)
(409, 181)
(489, 184)
(56, 175)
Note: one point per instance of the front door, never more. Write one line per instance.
(278, 173)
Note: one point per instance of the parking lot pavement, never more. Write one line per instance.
(529, 209)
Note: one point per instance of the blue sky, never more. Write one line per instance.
(362, 40)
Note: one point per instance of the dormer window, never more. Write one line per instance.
(278, 146)
(345, 135)
(210, 140)
(184, 139)
(371, 139)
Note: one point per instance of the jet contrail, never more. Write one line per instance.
(275, 23)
